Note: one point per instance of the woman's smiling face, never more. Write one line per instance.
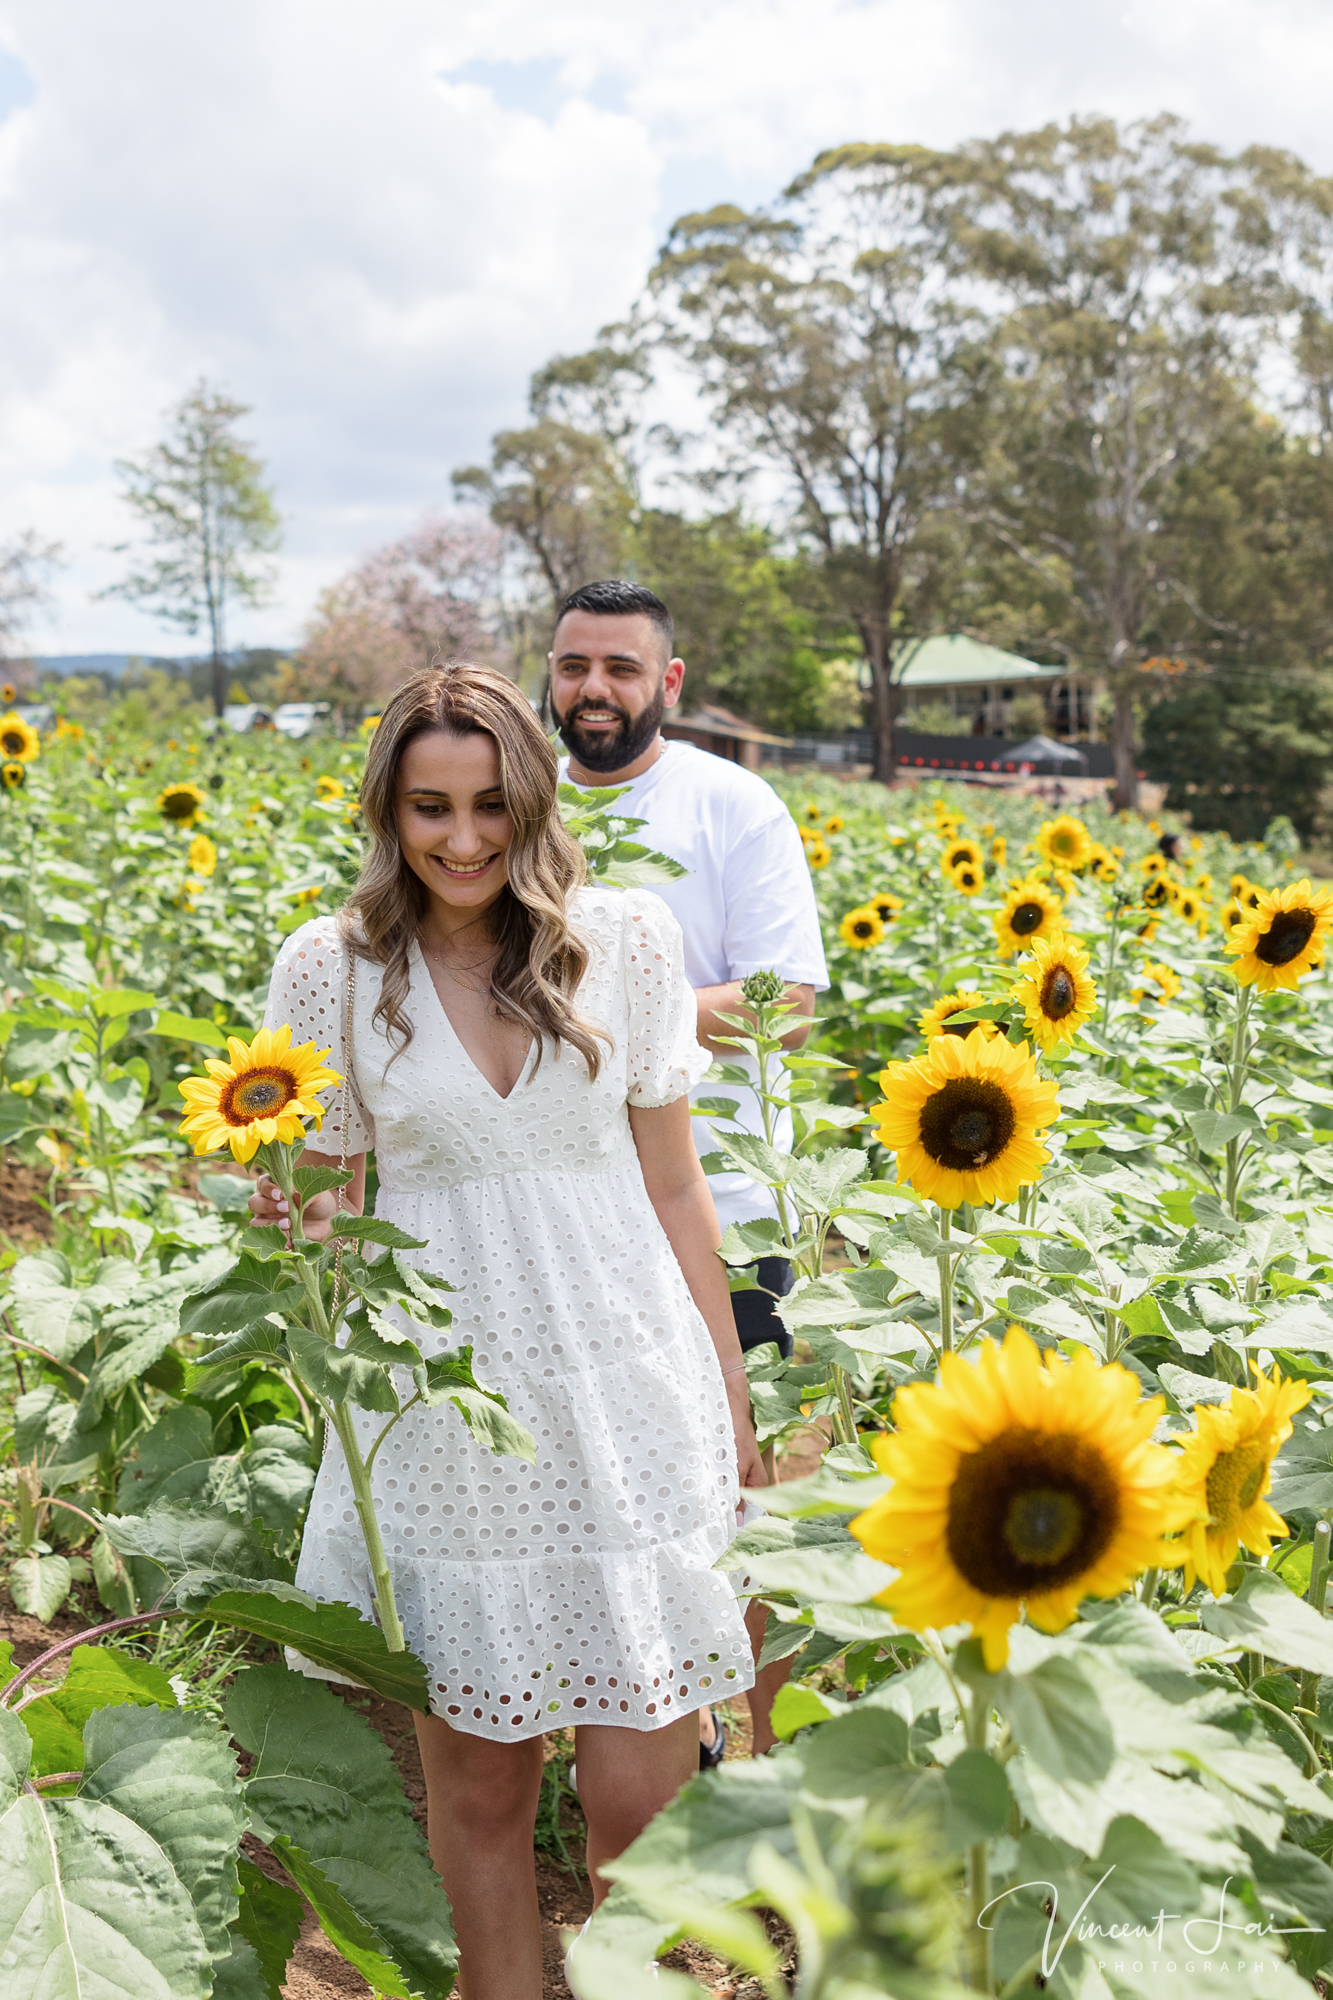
(453, 824)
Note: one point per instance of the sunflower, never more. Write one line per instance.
(9, 694)
(1166, 981)
(1102, 863)
(329, 788)
(1232, 914)
(935, 1020)
(1030, 911)
(963, 1118)
(13, 774)
(806, 835)
(1057, 995)
(183, 805)
(999, 850)
(1238, 885)
(370, 725)
(1284, 938)
(834, 823)
(969, 879)
(265, 1092)
(1204, 884)
(811, 813)
(885, 905)
(1189, 907)
(1157, 895)
(65, 729)
(203, 855)
(1027, 1480)
(960, 854)
(19, 741)
(861, 928)
(1153, 863)
(1149, 931)
(1250, 897)
(1064, 842)
(307, 895)
(1226, 1467)
(818, 852)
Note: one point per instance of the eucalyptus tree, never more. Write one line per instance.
(1131, 288)
(200, 495)
(842, 371)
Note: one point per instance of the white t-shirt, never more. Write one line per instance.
(746, 904)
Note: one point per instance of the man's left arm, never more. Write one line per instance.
(714, 1001)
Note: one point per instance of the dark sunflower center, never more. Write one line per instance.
(1286, 937)
(1058, 994)
(179, 805)
(11, 743)
(260, 1093)
(1235, 1482)
(1064, 843)
(967, 1123)
(1026, 919)
(862, 929)
(1029, 1511)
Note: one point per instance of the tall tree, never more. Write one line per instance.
(834, 356)
(200, 495)
(433, 592)
(565, 485)
(1131, 290)
(25, 563)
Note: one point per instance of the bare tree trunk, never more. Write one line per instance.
(1126, 793)
(885, 699)
(220, 685)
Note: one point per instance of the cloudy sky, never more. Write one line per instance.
(371, 219)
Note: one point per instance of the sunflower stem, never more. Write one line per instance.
(280, 1162)
(1241, 1047)
(945, 1262)
(1319, 1564)
(981, 1969)
(1148, 1588)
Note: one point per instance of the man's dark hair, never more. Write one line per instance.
(614, 598)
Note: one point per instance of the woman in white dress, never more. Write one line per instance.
(520, 1052)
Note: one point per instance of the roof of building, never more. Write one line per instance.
(713, 721)
(951, 659)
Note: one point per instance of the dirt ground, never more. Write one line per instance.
(21, 1219)
(317, 1971)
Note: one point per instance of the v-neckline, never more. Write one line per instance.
(501, 1097)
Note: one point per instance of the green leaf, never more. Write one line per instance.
(318, 1180)
(55, 1312)
(90, 1905)
(1266, 1618)
(243, 1294)
(339, 1374)
(373, 1229)
(174, 1775)
(229, 1192)
(98, 1676)
(112, 1002)
(15, 1750)
(186, 1028)
(797, 1708)
(747, 1154)
(173, 1461)
(324, 1790)
(979, 1799)
(199, 1552)
(488, 1421)
(269, 1920)
(1213, 1129)
(746, 1242)
(1055, 1716)
(332, 1635)
(39, 1585)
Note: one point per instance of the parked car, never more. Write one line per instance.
(300, 718)
(245, 715)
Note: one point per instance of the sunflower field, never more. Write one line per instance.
(1055, 1171)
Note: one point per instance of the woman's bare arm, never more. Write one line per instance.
(678, 1190)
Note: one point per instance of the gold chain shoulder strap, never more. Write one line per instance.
(345, 1108)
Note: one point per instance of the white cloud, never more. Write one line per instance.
(372, 222)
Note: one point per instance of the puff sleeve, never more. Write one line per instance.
(307, 991)
(665, 1059)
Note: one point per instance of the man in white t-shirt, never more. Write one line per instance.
(744, 905)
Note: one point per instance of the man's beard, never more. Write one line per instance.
(606, 750)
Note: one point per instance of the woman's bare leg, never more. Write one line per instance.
(481, 1799)
(625, 1776)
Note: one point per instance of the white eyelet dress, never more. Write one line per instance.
(581, 1589)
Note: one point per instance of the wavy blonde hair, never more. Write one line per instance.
(541, 957)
